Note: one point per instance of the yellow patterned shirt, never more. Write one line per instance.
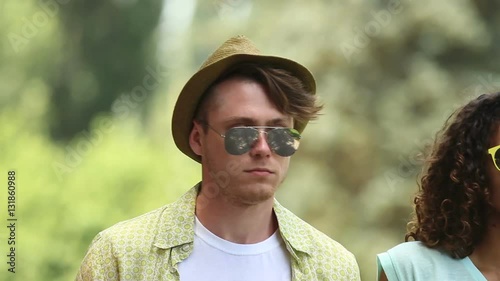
(151, 246)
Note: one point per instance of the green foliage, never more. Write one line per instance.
(388, 72)
(120, 174)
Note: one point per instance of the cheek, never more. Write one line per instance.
(284, 163)
(213, 146)
(494, 182)
(215, 154)
(495, 198)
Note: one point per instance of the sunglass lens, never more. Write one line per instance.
(239, 140)
(283, 141)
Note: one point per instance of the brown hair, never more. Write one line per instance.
(453, 201)
(287, 92)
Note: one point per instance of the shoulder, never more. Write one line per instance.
(159, 224)
(332, 258)
(322, 243)
(304, 236)
(327, 256)
(142, 224)
(415, 249)
(326, 251)
(399, 255)
(414, 261)
(138, 231)
(113, 244)
(116, 251)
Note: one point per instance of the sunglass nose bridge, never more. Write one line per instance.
(263, 132)
(262, 137)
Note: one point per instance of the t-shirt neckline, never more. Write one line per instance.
(234, 248)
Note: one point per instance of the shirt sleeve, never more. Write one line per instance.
(384, 263)
(99, 262)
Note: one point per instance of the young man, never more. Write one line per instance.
(240, 116)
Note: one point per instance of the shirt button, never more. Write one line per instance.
(186, 248)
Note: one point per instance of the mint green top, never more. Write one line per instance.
(151, 246)
(413, 261)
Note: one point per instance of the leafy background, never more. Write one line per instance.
(88, 133)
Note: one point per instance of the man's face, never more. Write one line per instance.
(254, 176)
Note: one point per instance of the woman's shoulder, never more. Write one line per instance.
(415, 248)
(415, 261)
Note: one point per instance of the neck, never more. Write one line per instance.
(486, 255)
(234, 222)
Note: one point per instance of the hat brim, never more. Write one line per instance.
(184, 110)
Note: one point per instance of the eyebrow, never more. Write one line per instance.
(273, 122)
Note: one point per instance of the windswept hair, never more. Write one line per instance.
(453, 202)
(286, 91)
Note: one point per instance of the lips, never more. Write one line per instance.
(259, 170)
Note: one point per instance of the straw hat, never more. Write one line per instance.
(236, 50)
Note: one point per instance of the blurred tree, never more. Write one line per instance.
(107, 47)
(389, 73)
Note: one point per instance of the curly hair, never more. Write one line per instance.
(453, 201)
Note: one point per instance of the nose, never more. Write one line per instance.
(260, 147)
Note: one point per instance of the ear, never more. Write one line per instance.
(195, 139)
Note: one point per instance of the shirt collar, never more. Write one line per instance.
(293, 230)
(176, 224)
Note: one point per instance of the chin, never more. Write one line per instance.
(256, 192)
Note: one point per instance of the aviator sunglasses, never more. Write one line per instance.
(495, 155)
(239, 140)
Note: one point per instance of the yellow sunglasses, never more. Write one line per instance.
(495, 155)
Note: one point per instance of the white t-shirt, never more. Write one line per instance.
(214, 258)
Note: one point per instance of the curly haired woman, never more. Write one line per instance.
(456, 226)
